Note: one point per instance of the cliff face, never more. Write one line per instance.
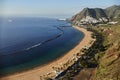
(96, 15)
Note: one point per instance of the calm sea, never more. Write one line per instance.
(26, 43)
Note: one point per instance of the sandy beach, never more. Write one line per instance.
(34, 74)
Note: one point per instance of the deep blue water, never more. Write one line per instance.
(29, 42)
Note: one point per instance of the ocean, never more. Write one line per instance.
(26, 43)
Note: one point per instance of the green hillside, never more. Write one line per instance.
(109, 64)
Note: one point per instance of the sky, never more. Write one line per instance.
(50, 8)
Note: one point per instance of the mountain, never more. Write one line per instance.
(113, 11)
(96, 15)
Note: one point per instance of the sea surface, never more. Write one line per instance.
(26, 43)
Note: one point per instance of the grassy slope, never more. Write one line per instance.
(109, 63)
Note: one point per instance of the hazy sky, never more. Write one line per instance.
(50, 8)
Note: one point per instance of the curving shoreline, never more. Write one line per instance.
(35, 73)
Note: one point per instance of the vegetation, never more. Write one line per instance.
(87, 60)
(109, 64)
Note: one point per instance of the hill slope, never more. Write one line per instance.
(113, 11)
(109, 64)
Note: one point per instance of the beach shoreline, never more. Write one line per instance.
(35, 73)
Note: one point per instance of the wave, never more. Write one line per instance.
(34, 46)
(39, 44)
(48, 40)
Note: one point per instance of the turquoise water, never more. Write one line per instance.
(30, 42)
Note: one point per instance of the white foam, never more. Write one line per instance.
(34, 46)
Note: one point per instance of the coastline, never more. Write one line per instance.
(35, 73)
